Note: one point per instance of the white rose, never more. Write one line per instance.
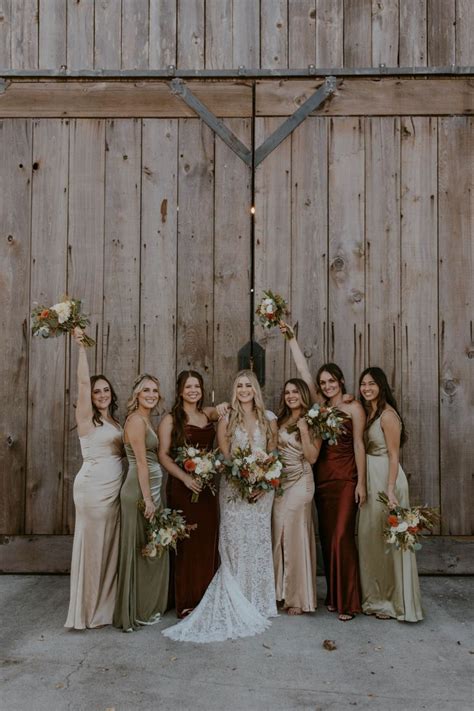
(268, 302)
(269, 309)
(312, 413)
(403, 526)
(191, 452)
(63, 310)
(43, 331)
(165, 536)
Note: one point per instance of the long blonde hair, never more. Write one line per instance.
(137, 387)
(237, 413)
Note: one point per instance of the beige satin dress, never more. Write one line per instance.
(294, 544)
(388, 577)
(97, 531)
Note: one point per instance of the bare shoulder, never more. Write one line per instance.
(355, 408)
(389, 415)
(135, 423)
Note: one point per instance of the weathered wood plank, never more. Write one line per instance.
(329, 33)
(5, 33)
(191, 34)
(246, 33)
(231, 258)
(45, 448)
(162, 39)
(120, 99)
(382, 248)
(122, 255)
(85, 272)
(443, 555)
(15, 201)
(346, 247)
(52, 34)
(302, 33)
(370, 97)
(135, 26)
(456, 345)
(309, 239)
(80, 34)
(464, 33)
(274, 33)
(159, 253)
(25, 35)
(413, 33)
(357, 33)
(273, 247)
(441, 16)
(385, 32)
(219, 39)
(419, 252)
(196, 250)
(108, 34)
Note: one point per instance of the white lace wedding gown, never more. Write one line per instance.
(241, 596)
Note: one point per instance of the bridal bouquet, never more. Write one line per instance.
(201, 464)
(249, 472)
(63, 317)
(164, 530)
(404, 526)
(324, 421)
(272, 309)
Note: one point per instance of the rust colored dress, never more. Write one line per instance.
(197, 559)
(336, 479)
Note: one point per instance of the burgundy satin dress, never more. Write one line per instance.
(335, 482)
(196, 561)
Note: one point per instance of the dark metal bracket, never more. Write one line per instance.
(179, 88)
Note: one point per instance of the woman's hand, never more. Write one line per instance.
(78, 335)
(360, 494)
(192, 484)
(286, 330)
(392, 499)
(150, 509)
(347, 398)
(256, 495)
(222, 409)
(302, 425)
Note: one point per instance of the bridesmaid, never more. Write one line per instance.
(340, 486)
(294, 541)
(190, 423)
(142, 582)
(96, 498)
(389, 581)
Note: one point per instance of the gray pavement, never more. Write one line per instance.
(377, 664)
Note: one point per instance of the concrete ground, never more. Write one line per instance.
(377, 664)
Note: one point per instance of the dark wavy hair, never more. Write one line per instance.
(113, 407)
(385, 398)
(284, 411)
(336, 373)
(178, 413)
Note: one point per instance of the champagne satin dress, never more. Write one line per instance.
(294, 543)
(336, 479)
(96, 534)
(142, 589)
(389, 580)
(197, 559)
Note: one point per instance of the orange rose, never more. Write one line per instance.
(189, 465)
(413, 529)
(275, 483)
(393, 520)
(245, 474)
(44, 313)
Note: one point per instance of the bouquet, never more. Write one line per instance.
(324, 421)
(201, 464)
(404, 526)
(164, 530)
(249, 472)
(63, 317)
(271, 310)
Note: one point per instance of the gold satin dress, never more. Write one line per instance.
(389, 580)
(294, 543)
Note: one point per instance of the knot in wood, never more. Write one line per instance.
(449, 387)
(356, 296)
(470, 353)
(338, 264)
(10, 441)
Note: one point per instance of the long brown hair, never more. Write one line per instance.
(284, 411)
(113, 407)
(336, 373)
(385, 397)
(178, 413)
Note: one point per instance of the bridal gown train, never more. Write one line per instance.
(241, 596)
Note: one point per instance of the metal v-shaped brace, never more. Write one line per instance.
(179, 88)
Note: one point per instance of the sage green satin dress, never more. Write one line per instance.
(389, 580)
(142, 590)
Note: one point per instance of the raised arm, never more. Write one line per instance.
(390, 425)
(165, 432)
(84, 402)
(358, 425)
(135, 433)
(300, 361)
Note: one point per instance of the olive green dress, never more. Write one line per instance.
(389, 579)
(142, 590)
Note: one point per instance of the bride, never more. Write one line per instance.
(241, 596)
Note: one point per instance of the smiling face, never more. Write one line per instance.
(369, 388)
(149, 395)
(192, 392)
(330, 386)
(293, 397)
(244, 390)
(101, 394)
